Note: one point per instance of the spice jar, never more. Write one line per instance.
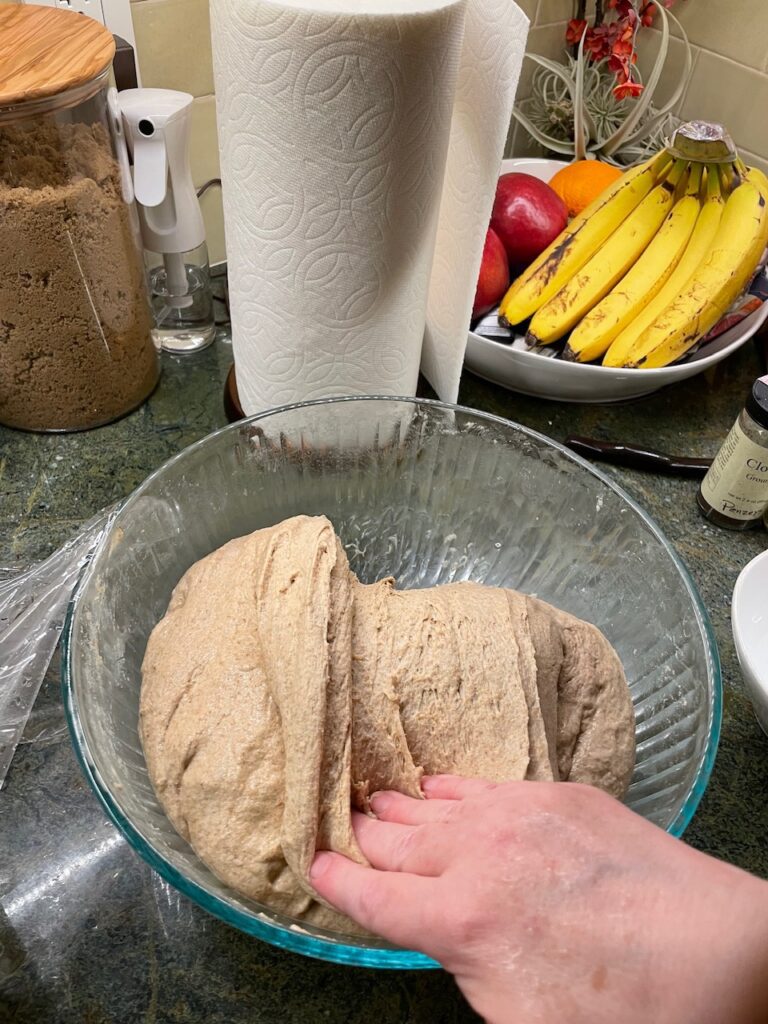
(734, 493)
(75, 323)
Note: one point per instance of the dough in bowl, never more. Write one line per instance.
(278, 689)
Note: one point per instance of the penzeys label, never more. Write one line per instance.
(736, 484)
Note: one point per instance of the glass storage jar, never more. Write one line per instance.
(75, 324)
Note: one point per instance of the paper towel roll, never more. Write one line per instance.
(335, 118)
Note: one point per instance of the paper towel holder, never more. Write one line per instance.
(232, 408)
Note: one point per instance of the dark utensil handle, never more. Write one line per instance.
(635, 457)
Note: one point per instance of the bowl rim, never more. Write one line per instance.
(656, 375)
(746, 653)
(250, 922)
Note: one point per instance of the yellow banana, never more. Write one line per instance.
(716, 282)
(700, 243)
(590, 338)
(604, 269)
(584, 235)
(758, 179)
(729, 177)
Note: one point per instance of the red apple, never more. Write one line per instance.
(494, 275)
(527, 215)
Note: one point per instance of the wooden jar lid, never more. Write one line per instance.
(45, 51)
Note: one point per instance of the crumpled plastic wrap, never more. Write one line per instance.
(33, 607)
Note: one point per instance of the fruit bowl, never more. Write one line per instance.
(532, 373)
(429, 493)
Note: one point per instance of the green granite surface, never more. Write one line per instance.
(89, 934)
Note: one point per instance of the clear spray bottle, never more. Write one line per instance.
(156, 124)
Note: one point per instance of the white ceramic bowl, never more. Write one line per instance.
(749, 620)
(534, 374)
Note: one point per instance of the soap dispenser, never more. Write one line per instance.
(156, 125)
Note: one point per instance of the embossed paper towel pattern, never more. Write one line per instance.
(491, 59)
(334, 130)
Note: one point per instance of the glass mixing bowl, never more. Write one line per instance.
(425, 492)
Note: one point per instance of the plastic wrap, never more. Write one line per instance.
(33, 606)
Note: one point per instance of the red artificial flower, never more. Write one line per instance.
(627, 90)
(648, 11)
(614, 40)
(623, 48)
(620, 67)
(597, 43)
(624, 8)
(624, 32)
(647, 14)
(575, 31)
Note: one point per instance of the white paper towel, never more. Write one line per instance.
(335, 118)
(491, 59)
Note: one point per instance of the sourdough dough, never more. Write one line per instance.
(277, 686)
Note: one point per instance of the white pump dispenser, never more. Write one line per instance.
(156, 125)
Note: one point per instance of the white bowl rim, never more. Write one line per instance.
(748, 658)
(656, 373)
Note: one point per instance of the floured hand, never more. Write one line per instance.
(554, 902)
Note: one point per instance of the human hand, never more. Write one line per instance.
(553, 903)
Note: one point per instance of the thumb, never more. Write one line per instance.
(395, 905)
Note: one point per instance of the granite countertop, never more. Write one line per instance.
(89, 934)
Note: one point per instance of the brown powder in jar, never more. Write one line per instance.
(75, 343)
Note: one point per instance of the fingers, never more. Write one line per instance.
(395, 905)
(453, 787)
(419, 850)
(392, 806)
(442, 792)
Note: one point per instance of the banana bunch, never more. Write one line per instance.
(655, 261)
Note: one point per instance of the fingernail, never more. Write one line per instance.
(320, 865)
(379, 803)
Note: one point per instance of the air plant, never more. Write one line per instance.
(596, 103)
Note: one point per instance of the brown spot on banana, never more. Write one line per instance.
(552, 263)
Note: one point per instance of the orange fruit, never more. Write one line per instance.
(582, 181)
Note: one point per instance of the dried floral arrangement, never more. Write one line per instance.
(595, 103)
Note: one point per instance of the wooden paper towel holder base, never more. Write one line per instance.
(232, 408)
(234, 411)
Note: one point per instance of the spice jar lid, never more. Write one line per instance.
(757, 403)
(47, 51)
